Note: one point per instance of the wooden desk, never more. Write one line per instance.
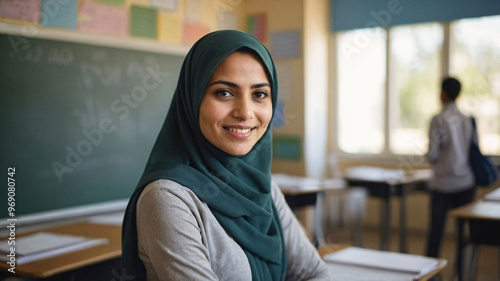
(62, 263)
(331, 248)
(483, 219)
(303, 191)
(386, 183)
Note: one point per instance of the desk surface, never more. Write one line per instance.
(295, 185)
(62, 263)
(480, 209)
(388, 176)
(331, 248)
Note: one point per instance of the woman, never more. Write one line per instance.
(205, 207)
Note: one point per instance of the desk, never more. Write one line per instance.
(62, 263)
(304, 191)
(386, 183)
(483, 219)
(331, 248)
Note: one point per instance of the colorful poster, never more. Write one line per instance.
(113, 2)
(287, 147)
(103, 19)
(59, 13)
(169, 28)
(144, 3)
(279, 116)
(227, 20)
(28, 10)
(193, 32)
(169, 5)
(286, 44)
(257, 26)
(143, 22)
(193, 11)
(285, 81)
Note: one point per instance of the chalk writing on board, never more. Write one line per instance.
(106, 75)
(122, 107)
(23, 50)
(60, 56)
(88, 117)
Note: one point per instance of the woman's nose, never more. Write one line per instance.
(243, 108)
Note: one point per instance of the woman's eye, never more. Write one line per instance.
(260, 95)
(223, 93)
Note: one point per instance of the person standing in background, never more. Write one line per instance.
(453, 183)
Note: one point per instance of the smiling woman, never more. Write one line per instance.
(236, 107)
(205, 207)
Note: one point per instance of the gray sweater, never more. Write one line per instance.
(180, 239)
(450, 135)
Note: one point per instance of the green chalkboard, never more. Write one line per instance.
(78, 121)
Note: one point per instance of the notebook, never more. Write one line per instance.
(389, 265)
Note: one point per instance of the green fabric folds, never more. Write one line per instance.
(236, 188)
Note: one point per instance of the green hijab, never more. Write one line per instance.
(237, 189)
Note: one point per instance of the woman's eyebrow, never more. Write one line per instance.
(234, 85)
(260, 85)
(227, 83)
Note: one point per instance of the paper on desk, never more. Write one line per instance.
(379, 174)
(374, 173)
(295, 183)
(44, 245)
(389, 261)
(356, 273)
(493, 195)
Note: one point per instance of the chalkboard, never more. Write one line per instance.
(78, 121)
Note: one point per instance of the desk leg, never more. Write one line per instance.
(460, 249)
(318, 219)
(402, 222)
(385, 219)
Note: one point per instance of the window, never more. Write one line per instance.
(413, 55)
(475, 61)
(361, 86)
(415, 77)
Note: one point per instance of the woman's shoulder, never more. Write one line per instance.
(162, 191)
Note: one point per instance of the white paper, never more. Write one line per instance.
(294, 183)
(356, 273)
(389, 261)
(379, 174)
(493, 195)
(44, 245)
(374, 174)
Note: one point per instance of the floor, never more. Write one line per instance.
(488, 259)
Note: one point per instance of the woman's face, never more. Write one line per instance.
(236, 107)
